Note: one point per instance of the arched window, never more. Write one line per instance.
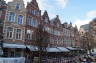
(20, 19)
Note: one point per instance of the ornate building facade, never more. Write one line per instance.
(19, 28)
(33, 19)
(3, 7)
(14, 29)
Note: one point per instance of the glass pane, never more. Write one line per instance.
(10, 34)
(20, 19)
(29, 21)
(9, 29)
(18, 6)
(16, 36)
(18, 30)
(11, 17)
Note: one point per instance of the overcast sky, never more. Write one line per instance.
(78, 12)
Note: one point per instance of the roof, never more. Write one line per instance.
(55, 20)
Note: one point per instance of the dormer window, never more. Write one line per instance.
(18, 6)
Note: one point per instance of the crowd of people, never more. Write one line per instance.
(76, 59)
(59, 60)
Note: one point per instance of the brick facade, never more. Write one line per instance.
(64, 35)
(12, 21)
(33, 18)
(3, 7)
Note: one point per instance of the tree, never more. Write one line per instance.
(42, 39)
(87, 42)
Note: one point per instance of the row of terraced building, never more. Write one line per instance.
(18, 25)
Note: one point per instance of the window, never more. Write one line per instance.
(29, 21)
(5, 52)
(32, 22)
(9, 33)
(12, 54)
(36, 23)
(29, 34)
(35, 12)
(32, 11)
(18, 6)
(20, 19)
(18, 53)
(11, 17)
(46, 20)
(18, 34)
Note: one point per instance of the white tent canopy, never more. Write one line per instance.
(53, 50)
(63, 49)
(32, 48)
(71, 48)
(7, 45)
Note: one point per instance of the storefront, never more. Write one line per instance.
(31, 54)
(13, 50)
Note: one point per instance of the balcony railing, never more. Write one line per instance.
(12, 60)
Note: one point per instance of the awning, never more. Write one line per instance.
(1, 51)
(71, 48)
(7, 45)
(53, 50)
(62, 49)
(12, 60)
(32, 48)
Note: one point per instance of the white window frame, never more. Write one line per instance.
(7, 32)
(19, 33)
(22, 18)
(8, 16)
(30, 35)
